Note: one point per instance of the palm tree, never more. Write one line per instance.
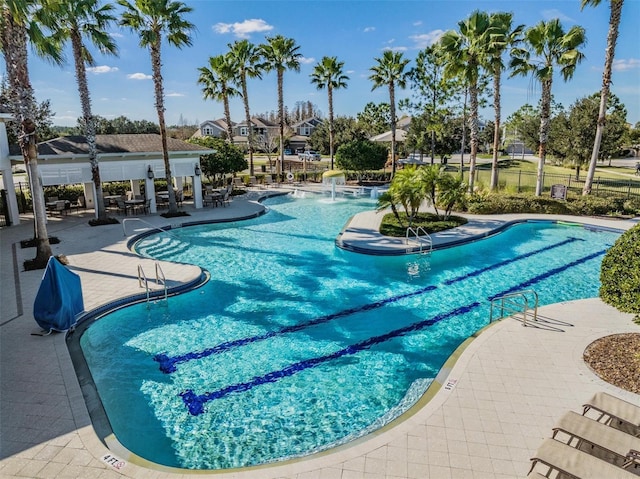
(217, 81)
(551, 47)
(280, 54)
(501, 39)
(610, 51)
(245, 59)
(390, 71)
(71, 21)
(15, 28)
(328, 74)
(152, 20)
(466, 53)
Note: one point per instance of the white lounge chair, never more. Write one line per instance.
(596, 438)
(571, 462)
(614, 412)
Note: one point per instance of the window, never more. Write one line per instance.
(207, 131)
(304, 130)
(244, 131)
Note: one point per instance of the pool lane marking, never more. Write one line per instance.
(168, 363)
(478, 272)
(548, 274)
(195, 402)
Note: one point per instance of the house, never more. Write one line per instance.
(216, 128)
(301, 133)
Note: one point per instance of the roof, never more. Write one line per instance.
(112, 144)
(401, 135)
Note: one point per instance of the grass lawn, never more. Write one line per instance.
(430, 222)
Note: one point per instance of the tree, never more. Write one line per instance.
(217, 85)
(227, 159)
(390, 72)
(502, 38)
(328, 74)
(72, 22)
(42, 117)
(361, 156)
(154, 20)
(345, 128)
(610, 51)
(280, 54)
(408, 189)
(245, 59)
(551, 47)
(466, 53)
(374, 118)
(15, 26)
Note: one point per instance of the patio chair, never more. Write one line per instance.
(572, 462)
(597, 439)
(122, 206)
(60, 207)
(253, 181)
(614, 412)
(238, 182)
(268, 181)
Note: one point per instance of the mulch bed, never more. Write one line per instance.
(616, 360)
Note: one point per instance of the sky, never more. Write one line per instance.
(354, 31)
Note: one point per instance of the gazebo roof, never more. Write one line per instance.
(146, 143)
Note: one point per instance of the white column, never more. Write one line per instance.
(12, 201)
(150, 190)
(197, 191)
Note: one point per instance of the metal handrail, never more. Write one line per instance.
(142, 276)
(513, 307)
(424, 238)
(153, 227)
(159, 273)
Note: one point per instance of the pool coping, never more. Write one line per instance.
(426, 399)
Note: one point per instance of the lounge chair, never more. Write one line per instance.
(597, 439)
(571, 462)
(615, 412)
(268, 181)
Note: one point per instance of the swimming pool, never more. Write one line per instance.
(294, 345)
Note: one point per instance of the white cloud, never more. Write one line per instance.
(139, 76)
(307, 61)
(174, 94)
(102, 69)
(350, 72)
(418, 23)
(626, 65)
(243, 29)
(116, 35)
(369, 29)
(554, 13)
(425, 40)
(396, 49)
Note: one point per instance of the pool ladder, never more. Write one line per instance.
(513, 304)
(421, 237)
(144, 282)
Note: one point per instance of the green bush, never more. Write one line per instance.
(430, 222)
(620, 273)
(574, 205)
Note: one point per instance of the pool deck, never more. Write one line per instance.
(498, 396)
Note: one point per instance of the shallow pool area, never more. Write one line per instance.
(295, 345)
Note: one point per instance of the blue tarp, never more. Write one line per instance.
(59, 299)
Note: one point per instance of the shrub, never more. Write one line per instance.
(620, 273)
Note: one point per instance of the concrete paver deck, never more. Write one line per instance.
(498, 397)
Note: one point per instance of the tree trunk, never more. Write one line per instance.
(544, 132)
(227, 114)
(89, 122)
(247, 117)
(156, 65)
(392, 104)
(473, 100)
(331, 132)
(280, 163)
(612, 40)
(14, 49)
(496, 129)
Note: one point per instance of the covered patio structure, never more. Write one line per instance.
(136, 158)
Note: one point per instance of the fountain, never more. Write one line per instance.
(333, 178)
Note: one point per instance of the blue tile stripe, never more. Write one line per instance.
(168, 363)
(196, 402)
(478, 272)
(548, 274)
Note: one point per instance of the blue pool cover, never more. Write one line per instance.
(59, 298)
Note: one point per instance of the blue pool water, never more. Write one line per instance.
(295, 345)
